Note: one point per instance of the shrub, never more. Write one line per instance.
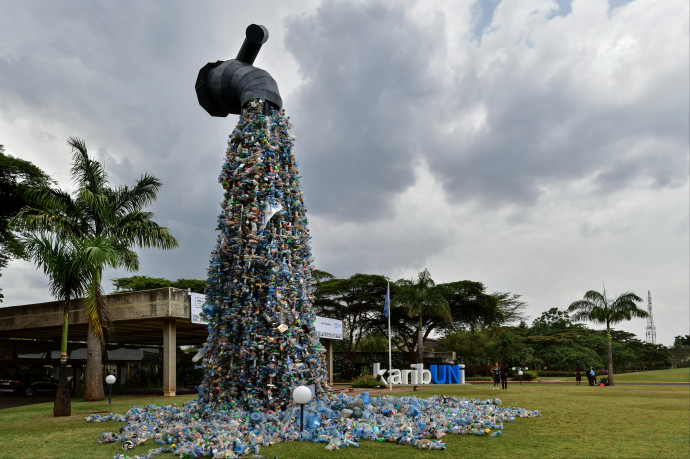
(481, 378)
(553, 373)
(526, 376)
(367, 381)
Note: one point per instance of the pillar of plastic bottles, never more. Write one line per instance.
(261, 341)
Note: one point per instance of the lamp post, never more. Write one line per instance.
(301, 395)
(520, 374)
(110, 379)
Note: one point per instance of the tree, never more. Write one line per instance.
(511, 307)
(423, 298)
(357, 301)
(138, 283)
(597, 307)
(468, 305)
(680, 351)
(106, 216)
(551, 321)
(470, 347)
(68, 265)
(16, 177)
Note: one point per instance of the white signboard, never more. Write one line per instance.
(198, 300)
(329, 328)
(325, 327)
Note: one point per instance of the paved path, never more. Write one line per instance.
(10, 401)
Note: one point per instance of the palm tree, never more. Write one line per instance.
(104, 216)
(596, 307)
(423, 298)
(68, 276)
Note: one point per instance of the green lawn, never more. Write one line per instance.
(621, 421)
(656, 376)
(675, 375)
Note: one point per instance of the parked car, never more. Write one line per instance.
(11, 386)
(40, 387)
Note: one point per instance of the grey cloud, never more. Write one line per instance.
(367, 78)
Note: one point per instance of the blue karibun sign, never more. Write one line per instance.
(418, 375)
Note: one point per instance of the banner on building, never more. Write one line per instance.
(198, 300)
(325, 327)
(329, 328)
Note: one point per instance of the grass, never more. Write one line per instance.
(621, 421)
(675, 375)
(656, 376)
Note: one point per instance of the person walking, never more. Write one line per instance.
(578, 377)
(504, 376)
(592, 377)
(497, 375)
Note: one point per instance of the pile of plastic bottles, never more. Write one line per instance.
(261, 341)
(337, 420)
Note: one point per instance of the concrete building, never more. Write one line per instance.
(146, 323)
(143, 322)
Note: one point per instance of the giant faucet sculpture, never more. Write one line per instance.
(261, 341)
(225, 87)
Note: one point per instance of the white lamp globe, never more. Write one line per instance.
(526, 368)
(110, 379)
(513, 368)
(520, 373)
(301, 395)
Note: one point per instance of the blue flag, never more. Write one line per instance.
(388, 300)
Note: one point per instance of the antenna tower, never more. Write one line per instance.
(651, 329)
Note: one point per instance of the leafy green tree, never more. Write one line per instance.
(357, 301)
(138, 283)
(469, 307)
(195, 285)
(16, 177)
(375, 341)
(470, 347)
(597, 307)
(551, 321)
(422, 298)
(680, 351)
(510, 307)
(107, 216)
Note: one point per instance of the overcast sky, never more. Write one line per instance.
(537, 146)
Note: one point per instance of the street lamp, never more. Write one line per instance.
(110, 379)
(301, 395)
(520, 374)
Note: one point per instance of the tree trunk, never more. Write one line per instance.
(610, 355)
(93, 378)
(63, 403)
(420, 341)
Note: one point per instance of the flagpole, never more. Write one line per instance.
(390, 350)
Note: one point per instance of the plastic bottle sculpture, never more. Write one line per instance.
(261, 341)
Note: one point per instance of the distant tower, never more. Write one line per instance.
(651, 329)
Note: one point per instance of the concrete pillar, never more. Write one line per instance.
(169, 357)
(329, 360)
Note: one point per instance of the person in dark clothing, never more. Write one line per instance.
(497, 375)
(504, 376)
(592, 377)
(578, 377)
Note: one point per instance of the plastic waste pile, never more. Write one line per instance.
(336, 420)
(261, 340)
